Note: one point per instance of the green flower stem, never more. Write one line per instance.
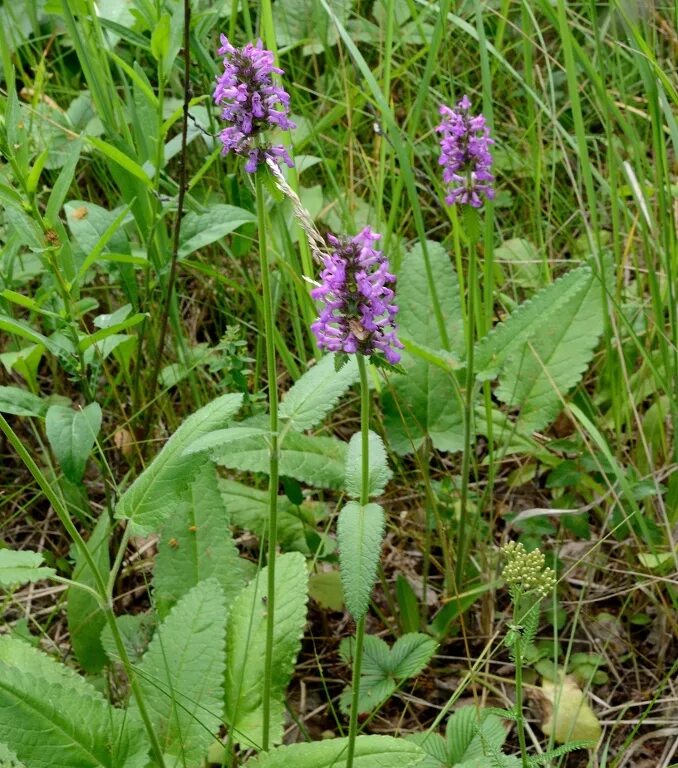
(269, 341)
(520, 723)
(67, 522)
(468, 416)
(364, 500)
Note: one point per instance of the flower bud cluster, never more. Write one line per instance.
(527, 571)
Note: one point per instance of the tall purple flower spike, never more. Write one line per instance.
(358, 312)
(250, 102)
(465, 155)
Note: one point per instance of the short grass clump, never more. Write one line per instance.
(339, 384)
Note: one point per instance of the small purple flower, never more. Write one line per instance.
(465, 155)
(250, 102)
(358, 313)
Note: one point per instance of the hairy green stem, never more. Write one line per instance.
(273, 458)
(364, 499)
(67, 522)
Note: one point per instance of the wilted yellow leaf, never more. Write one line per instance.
(567, 715)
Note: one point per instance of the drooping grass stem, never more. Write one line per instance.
(269, 343)
(364, 499)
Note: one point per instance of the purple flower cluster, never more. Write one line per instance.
(250, 102)
(358, 313)
(465, 155)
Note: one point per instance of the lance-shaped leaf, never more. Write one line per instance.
(197, 544)
(378, 473)
(360, 532)
(157, 490)
(182, 672)
(52, 717)
(370, 752)
(426, 402)
(317, 392)
(246, 648)
(18, 568)
(72, 435)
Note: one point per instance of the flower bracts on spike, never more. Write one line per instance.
(357, 294)
(251, 104)
(465, 155)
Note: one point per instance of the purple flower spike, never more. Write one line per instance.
(358, 313)
(250, 102)
(465, 155)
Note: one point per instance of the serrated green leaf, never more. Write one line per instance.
(197, 544)
(72, 434)
(182, 673)
(76, 725)
(410, 654)
(360, 532)
(463, 733)
(20, 402)
(552, 358)
(86, 618)
(317, 392)
(370, 752)
(246, 644)
(136, 631)
(435, 747)
(152, 496)
(201, 229)
(511, 335)
(18, 568)
(317, 461)
(426, 403)
(379, 472)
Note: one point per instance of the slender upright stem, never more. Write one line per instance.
(468, 416)
(269, 342)
(520, 723)
(364, 499)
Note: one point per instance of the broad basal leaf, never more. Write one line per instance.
(182, 673)
(426, 403)
(86, 618)
(370, 752)
(72, 434)
(552, 358)
(360, 532)
(379, 473)
(317, 392)
(316, 461)
(18, 568)
(246, 647)
(20, 402)
(197, 544)
(510, 335)
(50, 716)
(150, 498)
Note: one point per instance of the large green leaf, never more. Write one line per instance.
(317, 392)
(18, 568)
(197, 544)
(552, 358)
(21, 402)
(158, 489)
(370, 752)
(201, 229)
(317, 461)
(425, 402)
(50, 716)
(246, 644)
(378, 471)
(72, 434)
(510, 336)
(304, 21)
(182, 673)
(86, 618)
(360, 532)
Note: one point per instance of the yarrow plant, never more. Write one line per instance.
(465, 155)
(357, 291)
(251, 104)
